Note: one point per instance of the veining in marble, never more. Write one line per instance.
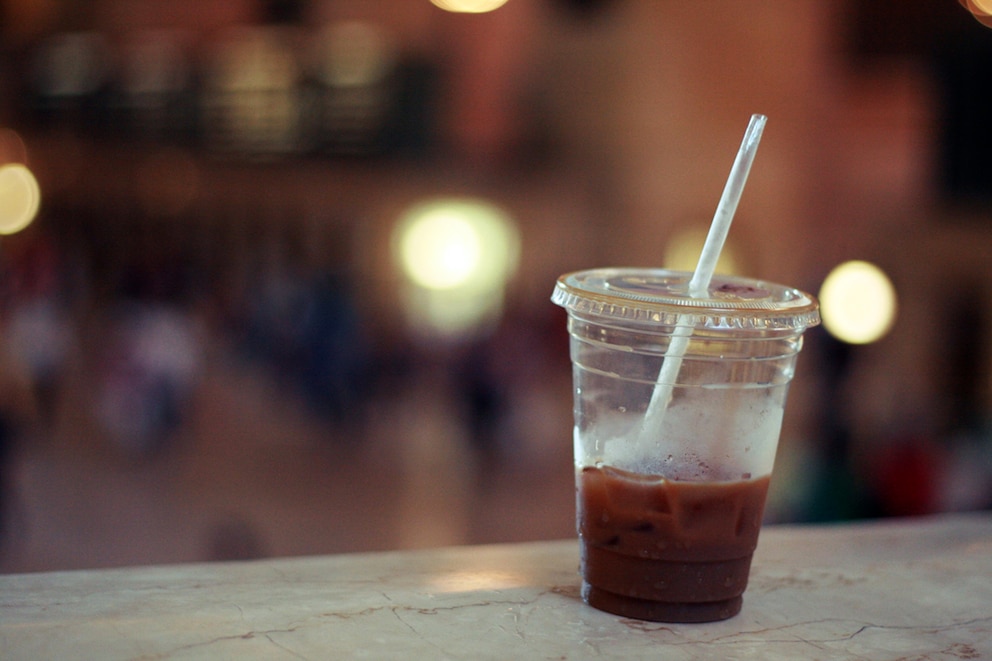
(908, 590)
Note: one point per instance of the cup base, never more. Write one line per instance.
(660, 611)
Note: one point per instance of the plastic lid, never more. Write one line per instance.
(662, 296)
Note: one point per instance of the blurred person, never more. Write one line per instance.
(335, 374)
(150, 371)
(40, 329)
(41, 334)
(302, 324)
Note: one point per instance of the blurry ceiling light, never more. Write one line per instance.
(981, 10)
(682, 252)
(978, 6)
(440, 251)
(20, 198)
(451, 243)
(469, 6)
(353, 54)
(458, 255)
(857, 303)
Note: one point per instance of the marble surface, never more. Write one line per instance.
(898, 589)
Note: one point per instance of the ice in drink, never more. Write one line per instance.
(656, 548)
(669, 506)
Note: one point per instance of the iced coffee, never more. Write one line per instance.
(669, 505)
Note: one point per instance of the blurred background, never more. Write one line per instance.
(274, 274)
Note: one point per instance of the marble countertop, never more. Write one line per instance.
(894, 589)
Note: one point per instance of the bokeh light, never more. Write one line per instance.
(469, 6)
(20, 198)
(457, 255)
(981, 10)
(441, 250)
(977, 6)
(857, 303)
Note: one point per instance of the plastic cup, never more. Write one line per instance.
(668, 517)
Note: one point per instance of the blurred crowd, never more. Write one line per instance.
(140, 296)
(140, 327)
(144, 328)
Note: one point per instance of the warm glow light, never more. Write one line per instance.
(455, 243)
(470, 580)
(20, 198)
(857, 303)
(440, 250)
(978, 6)
(981, 10)
(682, 252)
(469, 6)
(458, 255)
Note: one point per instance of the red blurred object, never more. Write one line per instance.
(908, 478)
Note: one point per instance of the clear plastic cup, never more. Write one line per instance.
(669, 510)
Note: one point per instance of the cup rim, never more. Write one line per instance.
(656, 295)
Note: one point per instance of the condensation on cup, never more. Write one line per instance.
(671, 490)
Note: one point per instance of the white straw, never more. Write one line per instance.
(700, 282)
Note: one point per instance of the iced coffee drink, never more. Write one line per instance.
(663, 549)
(669, 506)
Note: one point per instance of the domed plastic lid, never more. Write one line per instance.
(662, 296)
